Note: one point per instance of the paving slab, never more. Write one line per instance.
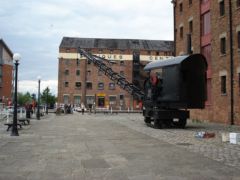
(114, 147)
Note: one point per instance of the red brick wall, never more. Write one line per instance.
(219, 109)
(6, 88)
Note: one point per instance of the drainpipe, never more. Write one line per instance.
(231, 62)
(174, 26)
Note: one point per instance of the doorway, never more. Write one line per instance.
(101, 101)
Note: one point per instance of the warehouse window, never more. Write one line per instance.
(78, 62)
(190, 2)
(181, 32)
(190, 26)
(88, 73)
(78, 72)
(100, 86)
(66, 72)
(112, 100)
(181, 7)
(66, 62)
(111, 86)
(121, 63)
(78, 85)
(238, 36)
(238, 3)
(89, 85)
(206, 23)
(77, 99)
(66, 84)
(223, 85)
(223, 45)
(239, 83)
(122, 73)
(222, 8)
(66, 99)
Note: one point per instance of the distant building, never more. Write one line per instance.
(80, 81)
(6, 73)
(214, 27)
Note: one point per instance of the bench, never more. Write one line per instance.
(11, 124)
(24, 121)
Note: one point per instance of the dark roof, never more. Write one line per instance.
(6, 47)
(166, 62)
(173, 61)
(88, 43)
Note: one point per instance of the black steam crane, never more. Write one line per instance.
(172, 87)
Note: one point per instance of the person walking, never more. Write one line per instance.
(83, 108)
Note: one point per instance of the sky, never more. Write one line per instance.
(35, 29)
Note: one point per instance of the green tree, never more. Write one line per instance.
(47, 97)
(24, 98)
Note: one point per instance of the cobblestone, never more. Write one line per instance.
(212, 148)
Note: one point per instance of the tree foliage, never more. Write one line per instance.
(47, 97)
(24, 98)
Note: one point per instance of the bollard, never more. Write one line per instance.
(21, 112)
(8, 121)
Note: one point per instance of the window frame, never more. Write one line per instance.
(66, 72)
(181, 32)
(100, 86)
(122, 63)
(190, 26)
(189, 2)
(111, 87)
(239, 83)
(181, 7)
(238, 39)
(221, 8)
(66, 84)
(238, 3)
(223, 85)
(87, 85)
(78, 87)
(223, 48)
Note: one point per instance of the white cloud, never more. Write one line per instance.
(32, 86)
(35, 29)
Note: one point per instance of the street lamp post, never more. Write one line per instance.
(16, 58)
(38, 104)
(47, 101)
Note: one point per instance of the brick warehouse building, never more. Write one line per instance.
(80, 81)
(214, 27)
(6, 73)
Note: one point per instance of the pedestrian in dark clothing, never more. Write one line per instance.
(90, 108)
(83, 108)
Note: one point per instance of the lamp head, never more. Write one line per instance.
(16, 57)
(39, 78)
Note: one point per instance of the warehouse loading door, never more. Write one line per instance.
(101, 101)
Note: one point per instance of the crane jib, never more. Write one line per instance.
(114, 76)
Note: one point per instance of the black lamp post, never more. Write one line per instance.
(47, 101)
(16, 58)
(38, 104)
